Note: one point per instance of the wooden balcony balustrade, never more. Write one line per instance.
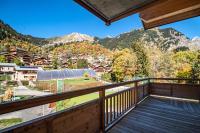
(101, 114)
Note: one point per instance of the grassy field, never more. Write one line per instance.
(78, 100)
(9, 122)
(79, 81)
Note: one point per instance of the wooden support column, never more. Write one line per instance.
(136, 92)
(102, 110)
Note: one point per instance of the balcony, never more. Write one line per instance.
(148, 105)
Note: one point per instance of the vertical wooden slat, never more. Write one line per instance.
(126, 100)
(117, 105)
(114, 110)
(123, 102)
(102, 110)
(106, 111)
(130, 99)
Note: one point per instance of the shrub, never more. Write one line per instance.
(12, 83)
(25, 83)
(5, 77)
(106, 77)
(86, 75)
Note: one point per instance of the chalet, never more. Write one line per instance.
(15, 52)
(8, 69)
(28, 73)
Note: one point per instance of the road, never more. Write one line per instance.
(25, 91)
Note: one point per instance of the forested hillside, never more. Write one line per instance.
(162, 38)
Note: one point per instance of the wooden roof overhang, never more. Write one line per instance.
(153, 13)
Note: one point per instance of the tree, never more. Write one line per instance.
(142, 59)
(161, 63)
(55, 62)
(187, 64)
(18, 62)
(3, 59)
(195, 72)
(184, 71)
(82, 63)
(123, 65)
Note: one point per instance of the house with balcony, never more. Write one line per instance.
(18, 73)
(148, 105)
(27, 73)
(8, 69)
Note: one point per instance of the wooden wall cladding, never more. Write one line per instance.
(190, 91)
(142, 91)
(81, 119)
(169, 11)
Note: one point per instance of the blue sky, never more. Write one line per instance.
(49, 18)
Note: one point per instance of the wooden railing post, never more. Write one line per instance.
(102, 110)
(149, 86)
(136, 92)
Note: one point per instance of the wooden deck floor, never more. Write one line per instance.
(158, 115)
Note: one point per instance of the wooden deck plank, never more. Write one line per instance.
(159, 115)
(172, 114)
(160, 125)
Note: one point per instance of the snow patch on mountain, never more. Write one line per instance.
(73, 37)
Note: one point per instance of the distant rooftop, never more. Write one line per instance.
(28, 68)
(153, 13)
(8, 64)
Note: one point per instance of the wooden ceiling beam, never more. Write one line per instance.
(137, 10)
(169, 11)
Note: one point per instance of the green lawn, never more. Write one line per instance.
(74, 81)
(9, 122)
(78, 100)
(79, 81)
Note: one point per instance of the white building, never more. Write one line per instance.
(18, 73)
(28, 73)
(8, 69)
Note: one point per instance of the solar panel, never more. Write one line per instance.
(62, 74)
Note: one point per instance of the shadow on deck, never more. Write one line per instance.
(161, 115)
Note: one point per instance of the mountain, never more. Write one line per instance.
(196, 41)
(73, 37)
(7, 32)
(165, 39)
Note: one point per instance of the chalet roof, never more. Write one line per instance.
(153, 13)
(8, 64)
(28, 68)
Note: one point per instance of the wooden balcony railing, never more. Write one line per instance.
(101, 114)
